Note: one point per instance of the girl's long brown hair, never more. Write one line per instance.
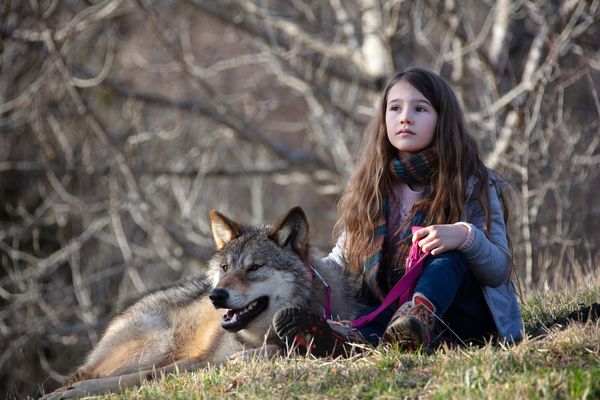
(361, 205)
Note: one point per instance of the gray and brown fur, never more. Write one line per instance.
(179, 328)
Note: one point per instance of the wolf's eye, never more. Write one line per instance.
(254, 267)
(224, 267)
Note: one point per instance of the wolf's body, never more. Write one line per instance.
(255, 272)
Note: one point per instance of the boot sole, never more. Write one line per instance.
(406, 332)
(301, 329)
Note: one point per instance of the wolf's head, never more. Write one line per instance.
(258, 270)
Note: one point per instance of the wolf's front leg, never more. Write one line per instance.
(101, 385)
(122, 382)
(263, 352)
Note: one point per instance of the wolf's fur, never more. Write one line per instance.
(179, 327)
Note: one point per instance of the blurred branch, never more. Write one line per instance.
(91, 119)
(502, 18)
(37, 167)
(222, 113)
(290, 29)
(296, 157)
(287, 43)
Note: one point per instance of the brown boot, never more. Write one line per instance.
(344, 329)
(412, 324)
(310, 333)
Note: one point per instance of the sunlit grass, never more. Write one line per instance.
(560, 363)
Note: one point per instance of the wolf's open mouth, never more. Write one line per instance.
(238, 319)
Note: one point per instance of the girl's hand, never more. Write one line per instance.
(437, 239)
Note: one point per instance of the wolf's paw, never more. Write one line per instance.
(95, 386)
(66, 393)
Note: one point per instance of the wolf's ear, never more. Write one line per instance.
(223, 229)
(292, 231)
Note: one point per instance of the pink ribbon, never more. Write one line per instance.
(404, 288)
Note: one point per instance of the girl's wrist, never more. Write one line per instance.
(470, 235)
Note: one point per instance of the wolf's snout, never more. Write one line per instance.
(219, 297)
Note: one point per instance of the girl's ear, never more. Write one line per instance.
(224, 230)
(292, 231)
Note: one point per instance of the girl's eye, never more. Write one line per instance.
(224, 267)
(254, 267)
(420, 109)
(394, 108)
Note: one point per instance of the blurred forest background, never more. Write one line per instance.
(122, 123)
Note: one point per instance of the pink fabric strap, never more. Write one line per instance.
(404, 288)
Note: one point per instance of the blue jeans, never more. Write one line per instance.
(448, 283)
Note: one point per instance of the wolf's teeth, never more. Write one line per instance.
(232, 315)
(249, 307)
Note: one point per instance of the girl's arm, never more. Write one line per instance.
(488, 258)
(335, 256)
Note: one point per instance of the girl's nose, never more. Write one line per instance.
(405, 118)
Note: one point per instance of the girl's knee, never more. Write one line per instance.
(453, 257)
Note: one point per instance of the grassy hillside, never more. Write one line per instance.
(562, 362)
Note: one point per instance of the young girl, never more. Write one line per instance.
(419, 167)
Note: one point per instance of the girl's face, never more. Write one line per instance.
(410, 119)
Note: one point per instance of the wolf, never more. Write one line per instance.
(255, 272)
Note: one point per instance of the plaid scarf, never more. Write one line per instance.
(416, 170)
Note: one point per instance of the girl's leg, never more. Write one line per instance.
(447, 288)
(373, 332)
(441, 279)
(468, 318)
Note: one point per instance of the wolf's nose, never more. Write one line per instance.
(219, 297)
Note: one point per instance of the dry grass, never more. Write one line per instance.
(563, 362)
